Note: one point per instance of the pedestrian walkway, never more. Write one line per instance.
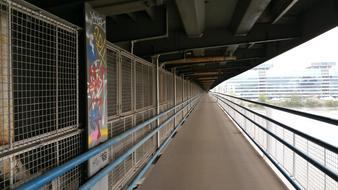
(210, 153)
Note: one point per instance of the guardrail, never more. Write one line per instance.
(47, 177)
(146, 167)
(306, 162)
(303, 114)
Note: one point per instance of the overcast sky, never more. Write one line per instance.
(323, 48)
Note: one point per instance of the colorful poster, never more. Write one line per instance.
(96, 77)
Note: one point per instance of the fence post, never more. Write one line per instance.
(155, 61)
(175, 100)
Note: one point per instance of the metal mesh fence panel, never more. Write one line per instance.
(34, 68)
(170, 89)
(112, 82)
(127, 83)
(67, 79)
(139, 85)
(178, 90)
(144, 84)
(38, 95)
(44, 72)
(148, 86)
(35, 160)
(162, 86)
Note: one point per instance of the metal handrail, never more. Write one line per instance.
(284, 173)
(297, 132)
(146, 167)
(303, 114)
(315, 163)
(48, 176)
(110, 167)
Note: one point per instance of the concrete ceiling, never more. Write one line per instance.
(227, 37)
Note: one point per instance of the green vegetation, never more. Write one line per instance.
(331, 103)
(263, 98)
(312, 103)
(293, 101)
(232, 93)
(296, 101)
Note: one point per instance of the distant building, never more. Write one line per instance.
(319, 80)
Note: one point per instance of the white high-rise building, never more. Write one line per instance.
(320, 80)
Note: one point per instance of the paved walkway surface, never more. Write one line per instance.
(209, 153)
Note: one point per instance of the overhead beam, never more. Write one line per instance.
(202, 73)
(151, 13)
(231, 49)
(198, 52)
(138, 28)
(55, 4)
(242, 54)
(192, 14)
(251, 45)
(280, 8)
(218, 67)
(210, 69)
(226, 72)
(108, 8)
(201, 76)
(207, 82)
(132, 17)
(216, 38)
(197, 78)
(200, 60)
(206, 78)
(246, 15)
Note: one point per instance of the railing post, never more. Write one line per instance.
(183, 93)
(132, 44)
(175, 99)
(268, 127)
(155, 60)
(190, 95)
(307, 165)
(182, 87)
(293, 155)
(325, 164)
(10, 113)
